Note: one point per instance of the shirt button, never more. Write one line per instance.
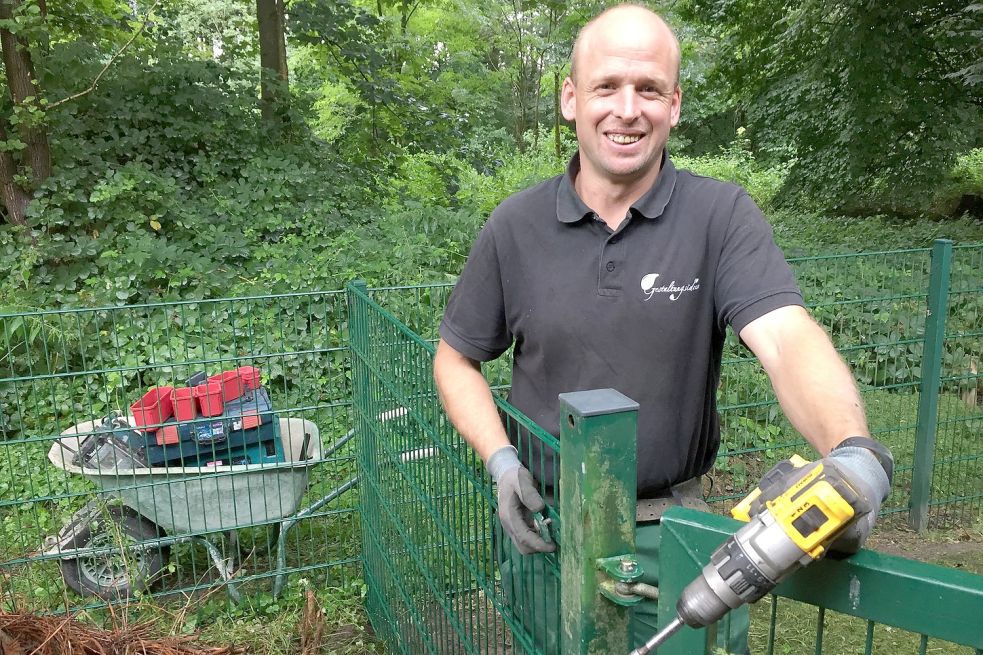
(610, 266)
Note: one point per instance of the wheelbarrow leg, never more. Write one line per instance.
(224, 569)
(286, 524)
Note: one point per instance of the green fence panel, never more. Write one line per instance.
(957, 479)
(430, 543)
(938, 608)
(65, 371)
(872, 305)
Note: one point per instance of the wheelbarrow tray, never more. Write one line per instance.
(205, 499)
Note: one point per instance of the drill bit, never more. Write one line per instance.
(660, 638)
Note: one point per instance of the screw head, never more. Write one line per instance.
(628, 565)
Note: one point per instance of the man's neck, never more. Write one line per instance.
(612, 200)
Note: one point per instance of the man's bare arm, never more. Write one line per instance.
(468, 401)
(815, 387)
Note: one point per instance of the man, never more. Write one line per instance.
(624, 273)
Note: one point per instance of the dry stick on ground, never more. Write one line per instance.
(311, 627)
(25, 634)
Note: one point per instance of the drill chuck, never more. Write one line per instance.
(742, 570)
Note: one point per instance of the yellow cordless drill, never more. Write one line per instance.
(798, 509)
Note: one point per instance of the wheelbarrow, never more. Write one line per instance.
(113, 550)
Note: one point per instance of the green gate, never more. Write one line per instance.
(868, 603)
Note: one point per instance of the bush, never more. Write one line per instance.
(736, 163)
(518, 170)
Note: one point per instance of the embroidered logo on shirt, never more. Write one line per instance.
(674, 290)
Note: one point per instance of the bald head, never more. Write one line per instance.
(623, 23)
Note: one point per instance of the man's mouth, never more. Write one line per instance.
(624, 139)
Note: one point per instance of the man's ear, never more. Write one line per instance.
(677, 103)
(568, 100)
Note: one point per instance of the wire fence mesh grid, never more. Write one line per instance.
(60, 369)
(430, 544)
(70, 377)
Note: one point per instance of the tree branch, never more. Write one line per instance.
(95, 82)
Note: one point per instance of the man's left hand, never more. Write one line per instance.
(863, 471)
(858, 467)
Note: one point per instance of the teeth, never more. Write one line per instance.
(624, 138)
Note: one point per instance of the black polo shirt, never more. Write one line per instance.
(642, 309)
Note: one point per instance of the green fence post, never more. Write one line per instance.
(931, 373)
(358, 346)
(358, 343)
(597, 508)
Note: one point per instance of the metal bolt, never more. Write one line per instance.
(628, 565)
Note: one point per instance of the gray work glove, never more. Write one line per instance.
(518, 500)
(862, 470)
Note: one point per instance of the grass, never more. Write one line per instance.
(842, 635)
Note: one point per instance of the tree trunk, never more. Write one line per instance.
(272, 58)
(556, 114)
(14, 198)
(537, 79)
(20, 79)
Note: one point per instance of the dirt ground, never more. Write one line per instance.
(959, 547)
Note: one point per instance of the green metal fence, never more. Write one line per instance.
(59, 369)
(876, 307)
(63, 372)
(428, 539)
(431, 572)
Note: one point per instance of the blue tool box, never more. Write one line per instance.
(246, 428)
(212, 440)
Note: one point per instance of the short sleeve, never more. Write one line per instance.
(752, 276)
(474, 320)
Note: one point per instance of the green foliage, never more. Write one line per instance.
(968, 172)
(736, 163)
(428, 178)
(869, 97)
(516, 171)
(335, 108)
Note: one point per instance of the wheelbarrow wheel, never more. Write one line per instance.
(121, 573)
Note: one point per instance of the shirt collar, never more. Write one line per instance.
(570, 208)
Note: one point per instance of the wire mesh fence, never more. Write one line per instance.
(957, 476)
(62, 369)
(200, 504)
(880, 323)
(431, 548)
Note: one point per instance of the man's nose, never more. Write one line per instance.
(626, 105)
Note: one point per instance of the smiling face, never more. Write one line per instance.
(625, 97)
